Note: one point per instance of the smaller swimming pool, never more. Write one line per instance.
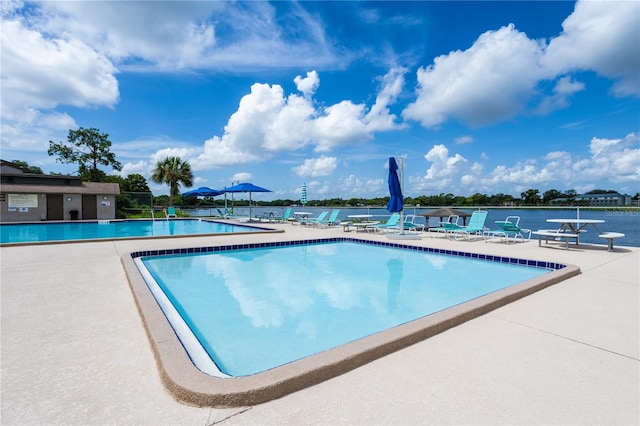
(271, 318)
(21, 233)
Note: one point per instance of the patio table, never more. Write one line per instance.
(575, 226)
(364, 226)
(360, 217)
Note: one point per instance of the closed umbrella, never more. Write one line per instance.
(247, 187)
(396, 202)
(303, 194)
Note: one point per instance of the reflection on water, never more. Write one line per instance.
(393, 286)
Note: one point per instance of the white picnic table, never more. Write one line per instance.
(576, 225)
(362, 222)
(571, 229)
(360, 216)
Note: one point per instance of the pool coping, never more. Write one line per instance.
(189, 385)
(144, 237)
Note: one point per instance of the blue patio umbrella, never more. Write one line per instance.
(396, 202)
(203, 191)
(247, 187)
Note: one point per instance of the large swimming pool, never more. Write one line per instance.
(115, 229)
(264, 308)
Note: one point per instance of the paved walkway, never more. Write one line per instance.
(73, 349)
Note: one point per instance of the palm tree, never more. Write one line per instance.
(173, 171)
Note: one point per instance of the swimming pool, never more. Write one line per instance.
(309, 310)
(21, 233)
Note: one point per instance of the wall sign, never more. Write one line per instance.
(23, 200)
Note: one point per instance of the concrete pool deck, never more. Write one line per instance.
(74, 351)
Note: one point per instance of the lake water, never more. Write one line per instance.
(627, 222)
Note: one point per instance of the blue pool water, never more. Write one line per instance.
(256, 309)
(69, 231)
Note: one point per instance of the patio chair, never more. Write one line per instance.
(171, 212)
(286, 216)
(509, 231)
(475, 228)
(411, 225)
(390, 224)
(331, 221)
(445, 227)
(228, 214)
(317, 220)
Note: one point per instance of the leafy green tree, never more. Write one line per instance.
(174, 172)
(161, 200)
(134, 182)
(477, 199)
(550, 195)
(27, 167)
(530, 197)
(89, 149)
(500, 199)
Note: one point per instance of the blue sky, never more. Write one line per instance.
(488, 97)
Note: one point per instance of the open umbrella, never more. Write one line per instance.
(203, 191)
(303, 194)
(247, 187)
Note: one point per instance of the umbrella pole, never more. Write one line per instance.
(402, 189)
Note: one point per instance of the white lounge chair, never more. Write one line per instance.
(317, 220)
(445, 227)
(411, 225)
(475, 227)
(509, 231)
(331, 221)
(390, 224)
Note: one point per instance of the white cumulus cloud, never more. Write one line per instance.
(268, 122)
(601, 36)
(484, 84)
(502, 73)
(314, 167)
(557, 169)
(41, 72)
(309, 84)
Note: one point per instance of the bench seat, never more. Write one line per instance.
(345, 225)
(610, 236)
(555, 235)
